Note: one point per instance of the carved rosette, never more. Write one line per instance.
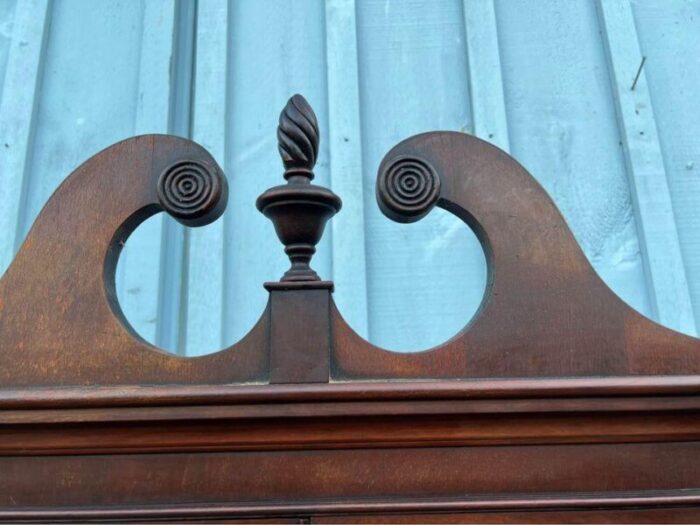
(193, 192)
(299, 210)
(407, 189)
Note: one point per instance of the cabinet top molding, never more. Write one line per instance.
(546, 321)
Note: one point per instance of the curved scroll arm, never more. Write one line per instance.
(59, 317)
(545, 312)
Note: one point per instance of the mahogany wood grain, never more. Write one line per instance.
(145, 434)
(663, 515)
(545, 313)
(557, 402)
(304, 357)
(59, 317)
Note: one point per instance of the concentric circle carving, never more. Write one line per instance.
(193, 192)
(407, 189)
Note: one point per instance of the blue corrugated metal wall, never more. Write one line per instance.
(549, 80)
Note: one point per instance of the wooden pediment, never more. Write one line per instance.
(557, 401)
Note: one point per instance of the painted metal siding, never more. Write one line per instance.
(551, 81)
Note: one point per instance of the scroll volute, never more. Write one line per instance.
(545, 313)
(60, 321)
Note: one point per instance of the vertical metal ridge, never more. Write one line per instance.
(138, 277)
(205, 258)
(485, 79)
(227, 308)
(664, 267)
(172, 294)
(346, 177)
(18, 109)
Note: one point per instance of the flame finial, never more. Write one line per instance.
(299, 210)
(297, 136)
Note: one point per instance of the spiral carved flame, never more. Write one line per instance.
(193, 192)
(407, 189)
(297, 135)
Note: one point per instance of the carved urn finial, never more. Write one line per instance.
(299, 210)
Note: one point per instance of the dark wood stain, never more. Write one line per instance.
(557, 403)
(546, 312)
